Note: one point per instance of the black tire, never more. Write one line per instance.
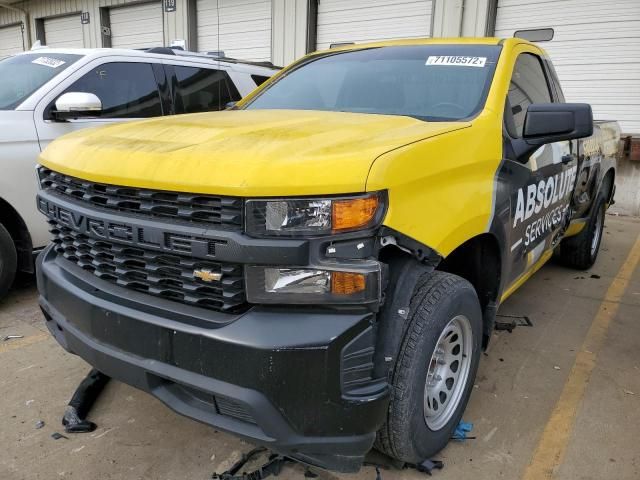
(438, 299)
(8, 261)
(581, 251)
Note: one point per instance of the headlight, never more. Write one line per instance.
(311, 285)
(313, 216)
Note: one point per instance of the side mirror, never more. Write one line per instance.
(77, 104)
(553, 122)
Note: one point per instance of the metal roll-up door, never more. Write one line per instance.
(10, 40)
(240, 28)
(63, 32)
(370, 20)
(137, 26)
(595, 49)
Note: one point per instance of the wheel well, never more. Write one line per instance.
(478, 261)
(608, 182)
(12, 221)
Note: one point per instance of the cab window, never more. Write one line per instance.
(528, 85)
(203, 90)
(126, 90)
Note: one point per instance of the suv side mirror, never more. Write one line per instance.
(553, 122)
(76, 105)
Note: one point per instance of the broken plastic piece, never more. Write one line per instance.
(74, 418)
(58, 436)
(515, 321)
(39, 424)
(272, 467)
(429, 465)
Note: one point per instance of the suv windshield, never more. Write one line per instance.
(23, 74)
(428, 82)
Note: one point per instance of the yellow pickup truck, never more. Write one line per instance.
(318, 268)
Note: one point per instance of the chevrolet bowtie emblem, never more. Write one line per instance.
(207, 275)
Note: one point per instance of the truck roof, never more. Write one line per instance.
(435, 41)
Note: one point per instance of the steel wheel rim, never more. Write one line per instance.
(447, 372)
(597, 234)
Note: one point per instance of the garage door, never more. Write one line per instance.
(369, 20)
(240, 28)
(63, 32)
(10, 40)
(596, 50)
(137, 26)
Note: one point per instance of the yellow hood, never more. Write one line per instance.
(243, 153)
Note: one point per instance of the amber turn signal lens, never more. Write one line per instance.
(353, 213)
(347, 283)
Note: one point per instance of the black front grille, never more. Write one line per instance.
(156, 273)
(225, 212)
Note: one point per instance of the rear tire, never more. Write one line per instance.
(581, 251)
(8, 261)
(435, 370)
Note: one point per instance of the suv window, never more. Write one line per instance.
(127, 90)
(528, 85)
(203, 90)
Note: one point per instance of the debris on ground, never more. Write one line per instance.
(513, 322)
(58, 436)
(628, 392)
(556, 367)
(74, 418)
(39, 424)
(11, 337)
(595, 276)
(460, 433)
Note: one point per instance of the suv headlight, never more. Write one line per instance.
(296, 217)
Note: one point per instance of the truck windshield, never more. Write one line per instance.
(428, 82)
(23, 74)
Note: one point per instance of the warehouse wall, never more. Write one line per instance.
(175, 23)
(289, 30)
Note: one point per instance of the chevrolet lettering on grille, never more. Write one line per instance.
(146, 237)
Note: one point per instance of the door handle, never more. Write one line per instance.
(568, 158)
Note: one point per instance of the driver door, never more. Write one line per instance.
(541, 185)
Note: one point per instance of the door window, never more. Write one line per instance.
(203, 90)
(126, 90)
(528, 85)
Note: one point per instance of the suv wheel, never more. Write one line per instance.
(435, 369)
(581, 251)
(8, 261)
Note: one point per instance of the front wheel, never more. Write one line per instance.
(435, 370)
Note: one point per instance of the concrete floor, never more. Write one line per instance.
(518, 385)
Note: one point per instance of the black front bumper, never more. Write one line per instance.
(282, 378)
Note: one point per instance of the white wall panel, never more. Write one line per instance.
(595, 49)
(137, 26)
(63, 32)
(370, 20)
(241, 28)
(10, 40)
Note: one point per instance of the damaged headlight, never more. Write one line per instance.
(313, 216)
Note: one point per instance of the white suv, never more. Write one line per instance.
(47, 93)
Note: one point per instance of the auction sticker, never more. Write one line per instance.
(49, 62)
(456, 61)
